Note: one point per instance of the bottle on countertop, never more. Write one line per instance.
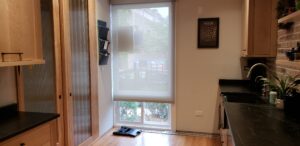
(272, 97)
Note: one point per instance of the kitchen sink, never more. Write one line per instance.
(244, 98)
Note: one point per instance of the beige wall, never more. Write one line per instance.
(104, 76)
(8, 91)
(198, 70)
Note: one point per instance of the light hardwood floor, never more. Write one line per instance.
(157, 139)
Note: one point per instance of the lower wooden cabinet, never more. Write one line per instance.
(43, 135)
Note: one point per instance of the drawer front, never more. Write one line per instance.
(40, 136)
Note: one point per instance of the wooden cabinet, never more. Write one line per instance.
(259, 28)
(80, 71)
(44, 135)
(21, 36)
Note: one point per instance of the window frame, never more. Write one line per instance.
(172, 107)
(170, 100)
(142, 123)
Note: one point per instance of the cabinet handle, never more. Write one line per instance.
(22, 144)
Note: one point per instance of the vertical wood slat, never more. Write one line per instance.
(20, 88)
(66, 66)
(94, 68)
(58, 71)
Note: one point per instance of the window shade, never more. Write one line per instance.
(118, 2)
(142, 45)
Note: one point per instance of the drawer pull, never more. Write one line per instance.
(22, 144)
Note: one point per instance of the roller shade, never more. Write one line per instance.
(142, 42)
(119, 2)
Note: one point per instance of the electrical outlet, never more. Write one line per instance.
(199, 113)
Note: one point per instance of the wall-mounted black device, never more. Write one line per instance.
(103, 42)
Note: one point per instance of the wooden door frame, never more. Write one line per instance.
(66, 67)
(58, 71)
(66, 62)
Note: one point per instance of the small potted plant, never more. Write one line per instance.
(286, 87)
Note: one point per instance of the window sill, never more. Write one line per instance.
(146, 127)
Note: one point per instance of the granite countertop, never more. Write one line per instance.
(260, 124)
(254, 125)
(14, 122)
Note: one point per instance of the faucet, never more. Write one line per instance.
(265, 88)
(255, 65)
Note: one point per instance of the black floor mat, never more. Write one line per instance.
(126, 131)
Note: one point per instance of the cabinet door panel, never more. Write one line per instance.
(80, 71)
(259, 28)
(4, 27)
(39, 80)
(20, 28)
(262, 27)
(39, 136)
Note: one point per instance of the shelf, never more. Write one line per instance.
(290, 18)
(21, 63)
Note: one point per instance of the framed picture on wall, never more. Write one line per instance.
(208, 33)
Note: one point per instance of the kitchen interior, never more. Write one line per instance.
(74, 71)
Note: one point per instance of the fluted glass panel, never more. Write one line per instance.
(80, 70)
(39, 80)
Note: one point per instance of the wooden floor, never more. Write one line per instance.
(157, 139)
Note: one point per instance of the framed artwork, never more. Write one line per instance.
(208, 33)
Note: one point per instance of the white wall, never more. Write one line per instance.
(198, 70)
(104, 76)
(8, 88)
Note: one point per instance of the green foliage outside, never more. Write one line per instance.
(155, 112)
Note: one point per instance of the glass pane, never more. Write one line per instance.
(130, 111)
(157, 113)
(80, 71)
(39, 80)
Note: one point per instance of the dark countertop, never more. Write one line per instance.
(13, 123)
(260, 124)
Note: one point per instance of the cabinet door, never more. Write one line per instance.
(80, 71)
(260, 30)
(261, 27)
(42, 84)
(80, 75)
(39, 136)
(20, 28)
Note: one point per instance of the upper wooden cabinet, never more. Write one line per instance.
(260, 28)
(21, 37)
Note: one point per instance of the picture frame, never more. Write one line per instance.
(208, 32)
